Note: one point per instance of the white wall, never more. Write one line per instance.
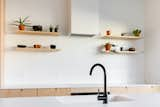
(71, 65)
(121, 16)
(152, 32)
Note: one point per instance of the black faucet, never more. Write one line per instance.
(103, 97)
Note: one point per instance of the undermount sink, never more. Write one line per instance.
(120, 99)
(91, 99)
(77, 99)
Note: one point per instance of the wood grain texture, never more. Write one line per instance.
(37, 33)
(43, 49)
(54, 92)
(123, 37)
(3, 93)
(43, 92)
(28, 92)
(76, 90)
(2, 30)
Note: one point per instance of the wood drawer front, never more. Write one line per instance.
(54, 92)
(118, 90)
(81, 90)
(3, 93)
(22, 93)
(61, 92)
(43, 92)
(28, 92)
(146, 89)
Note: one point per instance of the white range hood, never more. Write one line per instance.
(84, 17)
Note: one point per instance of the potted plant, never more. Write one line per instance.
(22, 22)
(108, 47)
(136, 32)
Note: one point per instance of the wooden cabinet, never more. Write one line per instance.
(84, 17)
(81, 90)
(43, 92)
(22, 92)
(4, 93)
(54, 92)
(28, 92)
(17, 93)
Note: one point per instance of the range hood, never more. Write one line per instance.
(84, 19)
(85, 35)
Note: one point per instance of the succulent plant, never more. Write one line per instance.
(22, 21)
(136, 32)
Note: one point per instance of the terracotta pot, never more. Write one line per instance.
(108, 47)
(108, 32)
(37, 46)
(21, 27)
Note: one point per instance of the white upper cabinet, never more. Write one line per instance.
(84, 17)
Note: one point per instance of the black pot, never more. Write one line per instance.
(37, 28)
(53, 46)
(51, 29)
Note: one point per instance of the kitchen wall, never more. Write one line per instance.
(71, 65)
(152, 49)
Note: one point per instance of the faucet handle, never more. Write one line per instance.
(98, 92)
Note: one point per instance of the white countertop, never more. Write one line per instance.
(73, 86)
(141, 100)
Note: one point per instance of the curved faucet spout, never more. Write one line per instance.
(105, 96)
(100, 65)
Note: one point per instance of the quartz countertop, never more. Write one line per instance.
(139, 100)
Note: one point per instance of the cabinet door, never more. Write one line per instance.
(22, 93)
(84, 17)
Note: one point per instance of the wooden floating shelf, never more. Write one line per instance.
(44, 49)
(37, 33)
(127, 52)
(123, 52)
(123, 37)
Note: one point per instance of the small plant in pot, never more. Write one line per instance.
(108, 47)
(22, 23)
(137, 32)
